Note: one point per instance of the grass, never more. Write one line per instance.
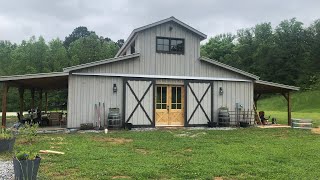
(305, 105)
(251, 153)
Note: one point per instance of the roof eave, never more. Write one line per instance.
(229, 68)
(96, 63)
(284, 86)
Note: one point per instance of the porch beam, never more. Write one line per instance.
(21, 100)
(4, 103)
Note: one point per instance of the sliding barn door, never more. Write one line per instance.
(199, 102)
(139, 102)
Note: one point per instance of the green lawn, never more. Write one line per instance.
(251, 153)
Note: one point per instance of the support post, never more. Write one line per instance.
(21, 94)
(287, 96)
(32, 98)
(40, 100)
(255, 99)
(46, 99)
(4, 103)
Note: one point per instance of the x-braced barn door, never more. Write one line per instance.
(199, 102)
(139, 102)
(169, 105)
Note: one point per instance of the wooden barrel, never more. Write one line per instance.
(224, 117)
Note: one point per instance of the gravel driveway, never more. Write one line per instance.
(6, 170)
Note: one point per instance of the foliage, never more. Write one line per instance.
(37, 56)
(5, 133)
(29, 132)
(246, 153)
(26, 155)
(287, 54)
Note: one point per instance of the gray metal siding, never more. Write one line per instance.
(139, 88)
(234, 92)
(86, 91)
(151, 62)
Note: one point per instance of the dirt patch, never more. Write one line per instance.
(217, 178)
(121, 177)
(188, 150)
(315, 130)
(112, 140)
(142, 151)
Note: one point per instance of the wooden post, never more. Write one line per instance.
(289, 109)
(255, 99)
(32, 98)
(4, 104)
(40, 100)
(287, 96)
(21, 93)
(46, 98)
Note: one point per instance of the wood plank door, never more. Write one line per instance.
(169, 105)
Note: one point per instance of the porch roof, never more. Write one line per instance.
(45, 81)
(262, 87)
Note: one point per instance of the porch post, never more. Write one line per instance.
(46, 99)
(287, 96)
(4, 103)
(289, 109)
(21, 93)
(32, 98)
(256, 98)
(40, 100)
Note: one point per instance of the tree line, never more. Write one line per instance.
(288, 53)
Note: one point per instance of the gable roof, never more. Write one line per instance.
(135, 31)
(105, 61)
(217, 63)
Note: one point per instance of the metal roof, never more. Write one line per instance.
(133, 33)
(271, 87)
(229, 67)
(96, 63)
(54, 80)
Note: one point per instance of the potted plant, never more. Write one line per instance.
(7, 140)
(26, 164)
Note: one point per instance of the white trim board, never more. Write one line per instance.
(161, 77)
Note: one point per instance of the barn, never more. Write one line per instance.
(157, 78)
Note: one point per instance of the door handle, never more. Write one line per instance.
(168, 107)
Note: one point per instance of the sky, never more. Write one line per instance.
(21, 19)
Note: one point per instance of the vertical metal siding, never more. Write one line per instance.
(234, 92)
(151, 62)
(86, 91)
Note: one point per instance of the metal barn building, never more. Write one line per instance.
(158, 78)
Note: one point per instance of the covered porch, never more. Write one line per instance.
(37, 84)
(265, 87)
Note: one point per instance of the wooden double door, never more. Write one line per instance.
(169, 105)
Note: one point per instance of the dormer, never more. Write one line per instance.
(169, 39)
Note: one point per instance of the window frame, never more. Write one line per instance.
(170, 52)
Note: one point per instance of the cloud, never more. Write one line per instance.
(19, 20)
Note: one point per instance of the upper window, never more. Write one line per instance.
(170, 45)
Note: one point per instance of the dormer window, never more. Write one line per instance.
(170, 45)
(133, 48)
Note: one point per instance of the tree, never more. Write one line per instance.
(76, 34)
(120, 42)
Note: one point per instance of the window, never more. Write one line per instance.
(161, 97)
(170, 45)
(133, 49)
(176, 98)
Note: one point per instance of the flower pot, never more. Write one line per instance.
(244, 124)
(26, 169)
(7, 144)
(128, 126)
(212, 124)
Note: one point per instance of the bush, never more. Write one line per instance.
(5, 133)
(29, 132)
